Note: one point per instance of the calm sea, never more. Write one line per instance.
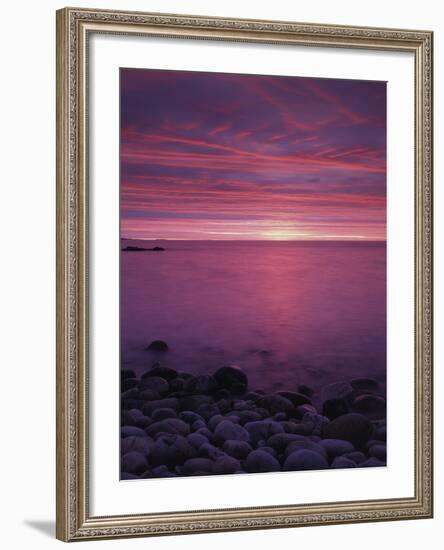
(286, 312)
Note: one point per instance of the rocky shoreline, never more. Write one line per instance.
(179, 424)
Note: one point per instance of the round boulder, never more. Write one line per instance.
(226, 430)
(158, 346)
(134, 463)
(261, 461)
(304, 459)
(231, 378)
(352, 427)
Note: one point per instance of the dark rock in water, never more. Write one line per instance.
(370, 404)
(167, 403)
(364, 385)
(226, 465)
(306, 445)
(177, 384)
(336, 447)
(342, 462)
(379, 452)
(170, 450)
(125, 476)
(232, 378)
(163, 372)
(337, 390)
(372, 462)
(226, 430)
(253, 396)
(128, 383)
(154, 383)
(207, 450)
(332, 408)
(262, 429)
(356, 456)
(276, 403)
(281, 441)
(197, 465)
(127, 373)
(131, 248)
(203, 384)
(352, 427)
(189, 417)
(304, 459)
(158, 346)
(305, 390)
(279, 417)
(134, 463)
(136, 443)
(170, 426)
(295, 398)
(237, 449)
(162, 414)
(127, 431)
(193, 402)
(261, 461)
(197, 440)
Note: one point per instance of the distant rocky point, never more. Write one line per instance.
(141, 249)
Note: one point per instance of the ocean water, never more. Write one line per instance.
(285, 312)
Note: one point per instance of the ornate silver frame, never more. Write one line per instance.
(74, 521)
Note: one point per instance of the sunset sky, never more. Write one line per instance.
(222, 156)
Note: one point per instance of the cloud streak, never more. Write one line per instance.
(221, 156)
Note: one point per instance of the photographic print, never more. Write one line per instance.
(252, 273)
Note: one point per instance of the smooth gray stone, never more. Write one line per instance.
(336, 447)
(332, 408)
(305, 459)
(189, 416)
(162, 414)
(127, 431)
(261, 461)
(193, 465)
(198, 425)
(370, 404)
(231, 378)
(214, 421)
(248, 416)
(207, 450)
(125, 476)
(263, 429)
(372, 462)
(226, 465)
(134, 463)
(163, 372)
(227, 430)
(237, 449)
(135, 443)
(356, 456)
(276, 403)
(281, 441)
(342, 462)
(201, 384)
(379, 452)
(342, 390)
(170, 450)
(352, 427)
(169, 425)
(308, 445)
(167, 403)
(197, 440)
(295, 398)
(154, 383)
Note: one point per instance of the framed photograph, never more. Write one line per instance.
(244, 274)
